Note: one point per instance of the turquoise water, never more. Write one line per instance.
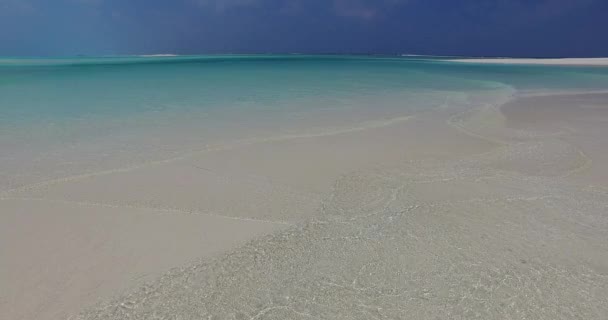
(52, 89)
(67, 116)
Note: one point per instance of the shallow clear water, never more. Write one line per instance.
(60, 117)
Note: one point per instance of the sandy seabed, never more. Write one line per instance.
(499, 212)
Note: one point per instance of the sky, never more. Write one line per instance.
(518, 28)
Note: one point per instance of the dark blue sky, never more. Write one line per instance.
(441, 27)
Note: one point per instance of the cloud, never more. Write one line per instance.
(533, 10)
(29, 7)
(15, 7)
(355, 9)
(88, 2)
(358, 9)
(290, 7)
(556, 8)
(364, 9)
(223, 5)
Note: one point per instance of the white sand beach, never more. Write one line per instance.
(548, 61)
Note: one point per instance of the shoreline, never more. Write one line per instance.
(337, 206)
(533, 61)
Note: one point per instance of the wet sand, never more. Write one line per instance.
(497, 212)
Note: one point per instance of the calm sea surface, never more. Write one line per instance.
(68, 116)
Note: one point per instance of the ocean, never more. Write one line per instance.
(61, 117)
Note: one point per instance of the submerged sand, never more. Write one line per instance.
(491, 213)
